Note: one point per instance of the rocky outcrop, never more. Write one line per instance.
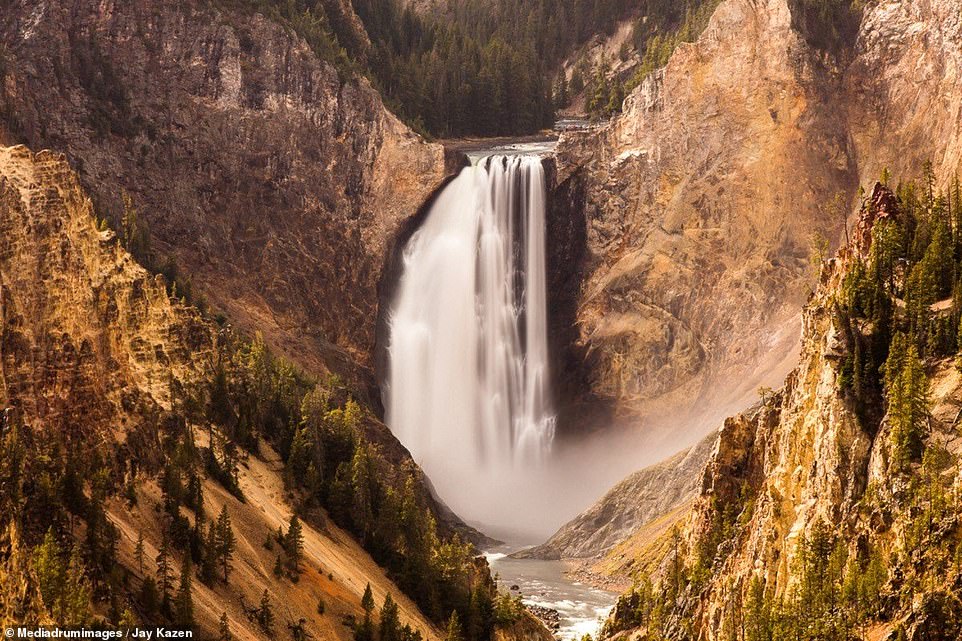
(800, 460)
(276, 180)
(89, 338)
(805, 461)
(700, 202)
(640, 499)
(526, 627)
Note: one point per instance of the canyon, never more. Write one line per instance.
(259, 190)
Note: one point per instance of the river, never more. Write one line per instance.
(581, 608)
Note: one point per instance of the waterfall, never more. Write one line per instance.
(467, 390)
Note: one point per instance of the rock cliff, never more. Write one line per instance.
(276, 181)
(89, 338)
(641, 498)
(701, 201)
(806, 499)
(809, 460)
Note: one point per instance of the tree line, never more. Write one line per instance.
(319, 431)
(474, 67)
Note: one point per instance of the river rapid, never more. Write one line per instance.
(581, 608)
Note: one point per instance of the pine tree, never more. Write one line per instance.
(362, 511)
(906, 391)
(454, 628)
(758, 613)
(128, 619)
(76, 594)
(164, 572)
(195, 494)
(224, 629)
(561, 97)
(226, 543)
(265, 613)
(341, 495)
(294, 543)
(367, 600)
(149, 599)
(209, 562)
(50, 569)
(139, 552)
(615, 98)
(390, 623)
(184, 604)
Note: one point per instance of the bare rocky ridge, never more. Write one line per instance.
(276, 183)
(903, 90)
(635, 502)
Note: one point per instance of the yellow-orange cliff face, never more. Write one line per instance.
(89, 337)
(700, 202)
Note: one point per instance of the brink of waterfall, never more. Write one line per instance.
(468, 387)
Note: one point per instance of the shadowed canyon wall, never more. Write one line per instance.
(273, 179)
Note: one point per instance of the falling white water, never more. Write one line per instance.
(467, 391)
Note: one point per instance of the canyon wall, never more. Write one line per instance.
(276, 180)
(702, 202)
(805, 459)
(93, 346)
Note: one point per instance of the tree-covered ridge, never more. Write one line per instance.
(894, 556)
(319, 431)
(54, 488)
(487, 67)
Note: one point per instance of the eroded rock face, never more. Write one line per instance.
(89, 337)
(803, 459)
(702, 199)
(635, 502)
(904, 89)
(276, 183)
(526, 628)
